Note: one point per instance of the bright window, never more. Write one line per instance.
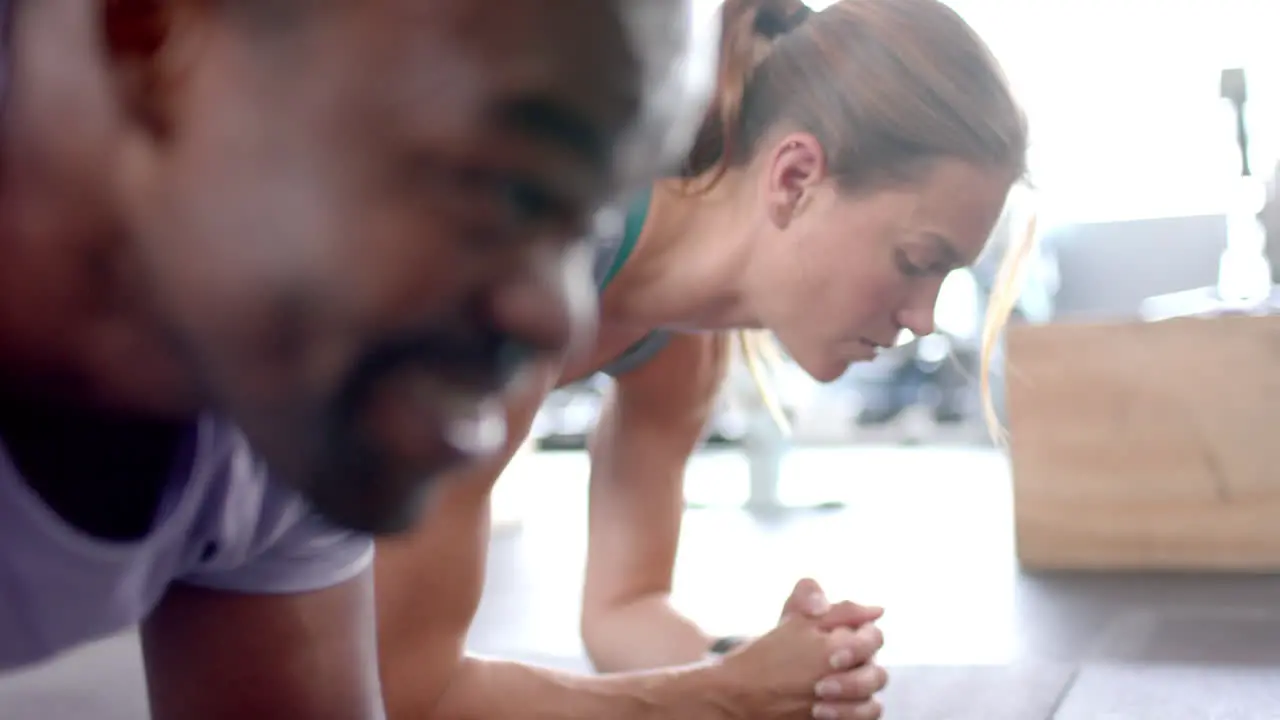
(1122, 96)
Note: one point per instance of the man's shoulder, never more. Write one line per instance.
(255, 533)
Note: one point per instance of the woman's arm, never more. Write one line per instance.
(650, 426)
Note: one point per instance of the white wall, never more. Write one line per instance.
(1122, 96)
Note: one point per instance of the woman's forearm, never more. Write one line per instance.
(644, 634)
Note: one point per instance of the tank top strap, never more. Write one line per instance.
(614, 251)
(615, 248)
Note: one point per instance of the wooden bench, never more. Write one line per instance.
(1147, 446)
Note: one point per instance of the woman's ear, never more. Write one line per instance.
(144, 40)
(797, 166)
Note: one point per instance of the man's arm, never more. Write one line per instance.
(651, 425)
(772, 678)
(271, 611)
(428, 585)
(482, 689)
(215, 655)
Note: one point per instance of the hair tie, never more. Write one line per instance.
(773, 23)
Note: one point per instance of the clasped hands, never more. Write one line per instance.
(817, 663)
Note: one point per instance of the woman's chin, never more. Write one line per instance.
(826, 370)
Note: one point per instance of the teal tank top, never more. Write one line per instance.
(611, 256)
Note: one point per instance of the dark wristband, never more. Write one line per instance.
(725, 645)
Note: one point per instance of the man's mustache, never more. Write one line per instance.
(486, 361)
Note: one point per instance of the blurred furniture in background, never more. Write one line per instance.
(1146, 446)
(1107, 268)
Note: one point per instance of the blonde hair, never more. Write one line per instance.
(762, 357)
(1004, 297)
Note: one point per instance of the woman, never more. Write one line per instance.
(827, 215)
(853, 158)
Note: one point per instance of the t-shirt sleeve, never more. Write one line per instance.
(259, 536)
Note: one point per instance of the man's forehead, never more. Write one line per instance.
(564, 44)
(631, 76)
(563, 66)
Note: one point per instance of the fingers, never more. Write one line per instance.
(806, 599)
(869, 710)
(852, 686)
(809, 600)
(848, 614)
(851, 647)
(848, 695)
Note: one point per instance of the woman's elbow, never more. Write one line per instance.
(596, 623)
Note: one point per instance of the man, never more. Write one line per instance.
(335, 231)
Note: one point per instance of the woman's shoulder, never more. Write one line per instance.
(617, 232)
(685, 366)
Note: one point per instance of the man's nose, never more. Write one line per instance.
(549, 304)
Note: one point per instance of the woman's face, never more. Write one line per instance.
(856, 269)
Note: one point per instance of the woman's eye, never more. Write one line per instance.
(906, 267)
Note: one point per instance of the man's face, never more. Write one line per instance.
(361, 232)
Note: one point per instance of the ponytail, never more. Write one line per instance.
(748, 29)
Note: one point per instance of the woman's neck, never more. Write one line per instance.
(688, 267)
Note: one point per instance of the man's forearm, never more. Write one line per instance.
(484, 689)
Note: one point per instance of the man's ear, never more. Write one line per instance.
(797, 166)
(144, 40)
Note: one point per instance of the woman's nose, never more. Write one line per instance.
(918, 320)
(918, 315)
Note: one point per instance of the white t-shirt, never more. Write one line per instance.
(222, 524)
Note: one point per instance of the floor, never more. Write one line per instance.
(925, 533)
